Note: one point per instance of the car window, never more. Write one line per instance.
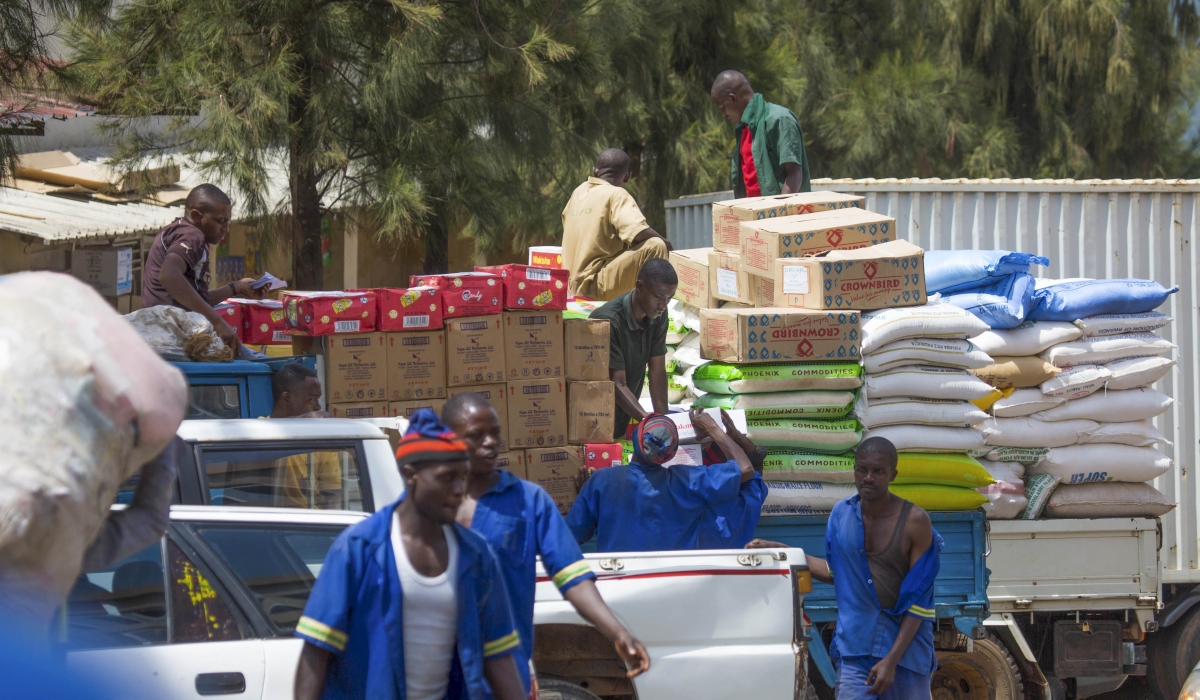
(197, 613)
(123, 605)
(214, 401)
(278, 564)
(292, 476)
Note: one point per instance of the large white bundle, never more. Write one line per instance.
(1076, 382)
(1029, 338)
(929, 438)
(1137, 371)
(927, 321)
(926, 381)
(912, 410)
(1025, 402)
(1102, 349)
(179, 335)
(1119, 324)
(1031, 432)
(85, 403)
(1111, 406)
(1139, 433)
(1006, 472)
(1081, 464)
(1004, 506)
(1107, 500)
(941, 352)
(804, 497)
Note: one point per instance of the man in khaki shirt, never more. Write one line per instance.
(605, 236)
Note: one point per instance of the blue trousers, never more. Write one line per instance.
(852, 682)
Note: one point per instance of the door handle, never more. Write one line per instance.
(220, 684)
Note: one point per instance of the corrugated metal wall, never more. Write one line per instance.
(1090, 228)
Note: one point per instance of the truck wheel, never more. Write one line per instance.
(987, 673)
(555, 689)
(1172, 654)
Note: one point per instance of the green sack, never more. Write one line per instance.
(784, 404)
(824, 436)
(946, 469)
(791, 465)
(748, 378)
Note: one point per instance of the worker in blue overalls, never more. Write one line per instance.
(731, 525)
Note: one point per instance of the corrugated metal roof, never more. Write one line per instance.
(57, 219)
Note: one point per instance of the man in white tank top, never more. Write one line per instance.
(409, 605)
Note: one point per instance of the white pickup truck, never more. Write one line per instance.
(712, 621)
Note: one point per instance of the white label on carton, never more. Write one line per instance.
(690, 455)
(416, 321)
(727, 282)
(795, 279)
(345, 326)
(687, 434)
(280, 337)
(535, 275)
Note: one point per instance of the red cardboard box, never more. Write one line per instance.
(528, 288)
(232, 313)
(327, 313)
(416, 309)
(465, 293)
(550, 256)
(601, 455)
(263, 322)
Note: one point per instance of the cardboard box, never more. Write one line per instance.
(533, 344)
(877, 277)
(416, 365)
(264, 322)
(762, 291)
(687, 433)
(67, 170)
(796, 236)
(777, 334)
(56, 259)
(586, 348)
(474, 350)
(415, 309)
(591, 411)
(405, 409)
(688, 455)
(599, 455)
(727, 281)
(108, 270)
(326, 313)
(512, 462)
(497, 395)
(554, 469)
(361, 409)
(691, 266)
(728, 215)
(528, 287)
(465, 293)
(355, 367)
(549, 256)
(537, 413)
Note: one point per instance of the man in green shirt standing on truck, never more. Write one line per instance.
(768, 157)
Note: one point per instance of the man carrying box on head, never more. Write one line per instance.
(731, 525)
(638, 339)
(643, 506)
(606, 239)
(768, 156)
(521, 522)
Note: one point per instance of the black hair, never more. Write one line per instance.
(879, 446)
(460, 404)
(204, 196)
(730, 81)
(288, 378)
(658, 271)
(612, 160)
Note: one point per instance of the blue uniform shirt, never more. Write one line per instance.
(520, 521)
(864, 628)
(731, 525)
(646, 507)
(355, 612)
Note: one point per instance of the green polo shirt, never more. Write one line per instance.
(777, 139)
(631, 346)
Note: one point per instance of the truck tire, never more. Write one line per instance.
(555, 689)
(987, 673)
(1172, 654)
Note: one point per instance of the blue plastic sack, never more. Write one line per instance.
(1001, 303)
(1071, 301)
(954, 271)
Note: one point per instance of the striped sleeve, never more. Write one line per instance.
(498, 646)
(922, 613)
(315, 631)
(557, 546)
(326, 619)
(571, 574)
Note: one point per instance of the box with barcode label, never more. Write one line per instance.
(327, 313)
(537, 413)
(726, 279)
(474, 350)
(415, 309)
(416, 365)
(533, 344)
(355, 367)
(527, 287)
(876, 277)
(555, 469)
(263, 322)
(361, 409)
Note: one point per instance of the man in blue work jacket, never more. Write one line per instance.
(409, 605)
(521, 522)
(731, 525)
(882, 558)
(646, 507)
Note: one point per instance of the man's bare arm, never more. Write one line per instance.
(705, 422)
(793, 178)
(501, 674)
(171, 277)
(625, 398)
(818, 567)
(311, 673)
(585, 597)
(658, 383)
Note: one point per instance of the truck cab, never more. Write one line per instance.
(236, 389)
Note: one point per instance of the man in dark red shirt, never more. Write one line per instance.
(177, 269)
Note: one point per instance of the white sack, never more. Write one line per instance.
(1112, 406)
(1005, 472)
(941, 352)
(1102, 349)
(1082, 464)
(1004, 506)
(910, 410)
(1029, 338)
(927, 321)
(1118, 324)
(804, 497)
(1139, 433)
(179, 335)
(928, 382)
(929, 438)
(1137, 371)
(1031, 432)
(1025, 402)
(1076, 382)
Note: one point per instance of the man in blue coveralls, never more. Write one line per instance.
(882, 558)
(731, 525)
(409, 605)
(646, 507)
(521, 522)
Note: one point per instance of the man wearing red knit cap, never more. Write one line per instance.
(410, 605)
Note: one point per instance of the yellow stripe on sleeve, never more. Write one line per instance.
(922, 612)
(572, 572)
(501, 645)
(322, 633)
